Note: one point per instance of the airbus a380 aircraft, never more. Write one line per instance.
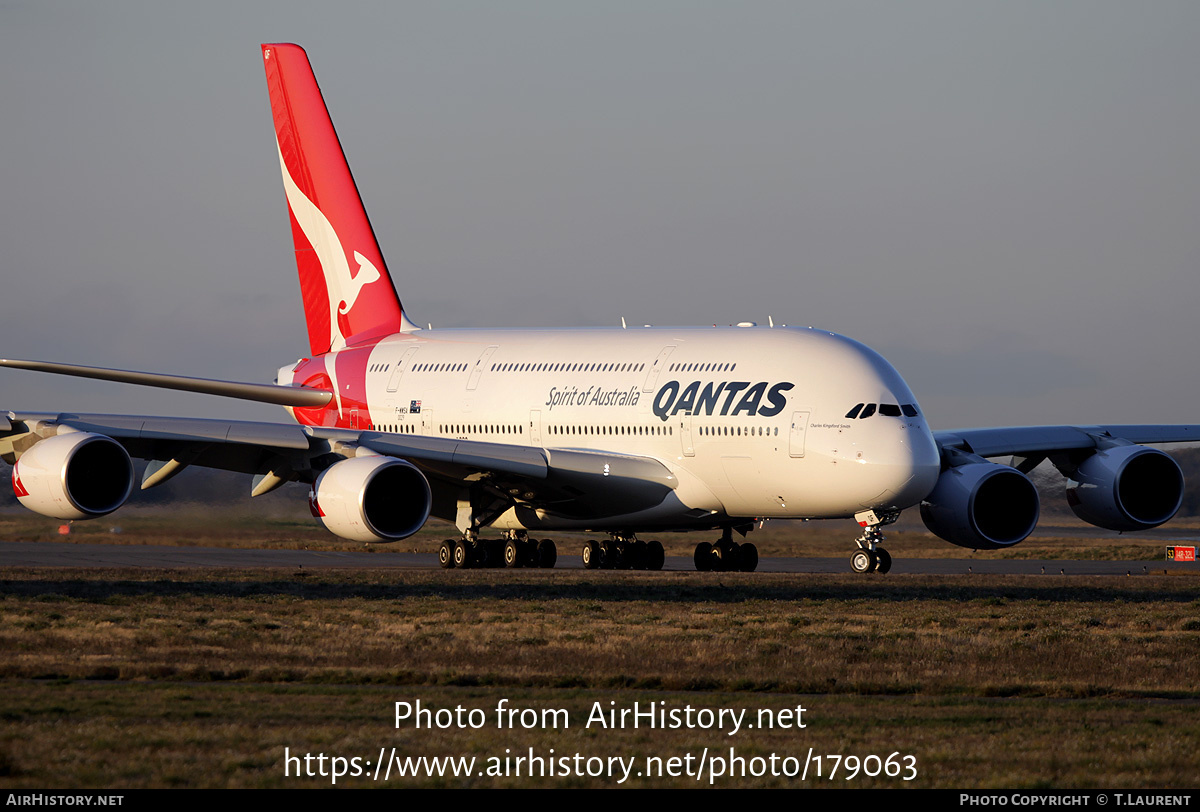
(622, 431)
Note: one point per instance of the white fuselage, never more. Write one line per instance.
(752, 421)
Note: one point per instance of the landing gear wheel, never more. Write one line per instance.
(654, 556)
(749, 557)
(547, 554)
(703, 558)
(462, 554)
(884, 560)
(726, 556)
(512, 553)
(863, 561)
(446, 554)
(592, 557)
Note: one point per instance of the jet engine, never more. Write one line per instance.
(1126, 487)
(74, 476)
(372, 499)
(982, 505)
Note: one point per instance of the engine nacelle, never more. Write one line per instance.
(982, 505)
(373, 499)
(1126, 487)
(74, 476)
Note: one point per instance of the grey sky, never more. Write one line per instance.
(1002, 198)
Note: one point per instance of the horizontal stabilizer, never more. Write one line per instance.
(260, 392)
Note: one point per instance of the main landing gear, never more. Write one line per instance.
(726, 555)
(516, 549)
(870, 556)
(623, 553)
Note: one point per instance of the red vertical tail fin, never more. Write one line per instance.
(348, 293)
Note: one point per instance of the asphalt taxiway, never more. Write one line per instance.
(115, 556)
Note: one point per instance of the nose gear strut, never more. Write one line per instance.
(870, 555)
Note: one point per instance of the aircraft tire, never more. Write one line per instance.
(547, 554)
(462, 554)
(446, 554)
(654, 556)
(727, 556)
(749, 557)
(863, 561)
(513, 554)
(884, 559)
(592, 555)
(703, 558)
(624, 556)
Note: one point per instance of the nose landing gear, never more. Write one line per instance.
(870, 555)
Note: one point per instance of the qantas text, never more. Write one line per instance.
(693, 399)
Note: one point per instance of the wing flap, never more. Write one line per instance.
(572, 481)
(468, 454)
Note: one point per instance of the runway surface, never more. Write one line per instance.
(59, 554)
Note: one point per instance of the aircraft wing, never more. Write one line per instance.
(1040, 441)
(261, 392)
(573, 482)
(230, 445)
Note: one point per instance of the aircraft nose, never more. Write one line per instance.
(904, 469)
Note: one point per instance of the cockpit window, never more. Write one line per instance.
(863, 411)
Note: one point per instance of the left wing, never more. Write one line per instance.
(76, 466)
(260, 392)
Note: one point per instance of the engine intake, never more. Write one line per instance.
(372, 499)
(1126, 487)
(74, 476)
(982, 505)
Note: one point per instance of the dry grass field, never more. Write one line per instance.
(197, 678)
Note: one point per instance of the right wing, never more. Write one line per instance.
(1033, 441)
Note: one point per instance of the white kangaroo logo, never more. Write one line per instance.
(367, 273)
(341, 286)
